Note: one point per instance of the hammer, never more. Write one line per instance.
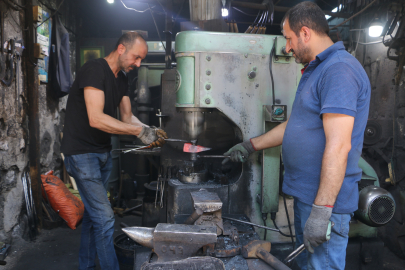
(261, 249)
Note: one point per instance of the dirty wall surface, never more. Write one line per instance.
(14, 134)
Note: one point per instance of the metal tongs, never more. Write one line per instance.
(294, 254)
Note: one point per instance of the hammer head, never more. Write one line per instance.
(249, 250)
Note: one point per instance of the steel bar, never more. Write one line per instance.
(212, 156)
(250, 223)
(283, 9)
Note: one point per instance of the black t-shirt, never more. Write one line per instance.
(78, 136)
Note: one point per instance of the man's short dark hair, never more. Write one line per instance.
(128, 40)
(306, 14)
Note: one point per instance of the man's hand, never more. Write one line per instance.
(317, 228)
(150, 135)
(240, 152)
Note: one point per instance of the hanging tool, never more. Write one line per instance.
(10, 59)
(2, 60)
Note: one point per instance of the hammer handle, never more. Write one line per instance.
(271, 260)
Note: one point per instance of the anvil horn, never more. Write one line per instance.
(141, 235)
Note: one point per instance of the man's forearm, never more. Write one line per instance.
(333, 171)
(132, 120)
(271, 138)
(111, 125)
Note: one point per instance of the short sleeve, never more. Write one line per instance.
(92, 75)
(339, 90)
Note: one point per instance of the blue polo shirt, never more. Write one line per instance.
(335, 82)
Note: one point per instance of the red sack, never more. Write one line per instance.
(69, 207)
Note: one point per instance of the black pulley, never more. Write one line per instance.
(372, 133)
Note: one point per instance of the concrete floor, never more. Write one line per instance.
(58, 249)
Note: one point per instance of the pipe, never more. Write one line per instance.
(33, 117)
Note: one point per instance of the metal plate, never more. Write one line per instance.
(206, 201)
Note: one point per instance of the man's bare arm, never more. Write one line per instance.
(95, 101)
(338, 132)
(126, 113)
(271, 138)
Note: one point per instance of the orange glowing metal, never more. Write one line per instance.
(191, 148)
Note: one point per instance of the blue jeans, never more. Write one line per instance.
(329, 255)
(91, 172)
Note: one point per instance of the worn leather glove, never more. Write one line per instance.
(158, 143)
(240, 152)
(318, 227)
(149, 135)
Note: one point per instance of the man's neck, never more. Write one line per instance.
(112, 60)
(319, 45)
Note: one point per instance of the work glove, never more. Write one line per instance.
(152, 134)
(318, 227)
(240, 152)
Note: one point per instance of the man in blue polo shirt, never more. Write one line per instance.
(323, 138)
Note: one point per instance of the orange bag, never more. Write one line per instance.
(69, 207)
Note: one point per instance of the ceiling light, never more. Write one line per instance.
(375, 29)
(225, 12)
(110, 1)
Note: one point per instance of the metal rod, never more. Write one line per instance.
(250, 223)
(294, 254)
(212, 156)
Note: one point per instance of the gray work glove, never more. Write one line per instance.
(152, 134)
(318, 227)
(240, 152)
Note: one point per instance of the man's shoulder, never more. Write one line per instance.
(343, 61)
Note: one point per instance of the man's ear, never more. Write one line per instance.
(305, 33)
(121, 49)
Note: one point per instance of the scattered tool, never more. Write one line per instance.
(261, 249)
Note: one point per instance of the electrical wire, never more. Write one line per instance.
(53, 14)
(288, 220)
(271, 71)
(157, 29)
(178, 13)
(358, 13)
(273, 218)
(241, 11)
(140, 11)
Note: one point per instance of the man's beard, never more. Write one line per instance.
(302, 54)
(126, 69)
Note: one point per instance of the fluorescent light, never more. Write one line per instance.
(110, 1)
(333, 10)
(225, 12)
(375, 30)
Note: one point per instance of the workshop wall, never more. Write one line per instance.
(14, 132)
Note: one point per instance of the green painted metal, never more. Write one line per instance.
(279, 56)
(200, 41)
(155, 76)
(369, 171)
(185, 81)
(271, 176)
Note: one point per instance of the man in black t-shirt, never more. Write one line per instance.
(100, 87)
